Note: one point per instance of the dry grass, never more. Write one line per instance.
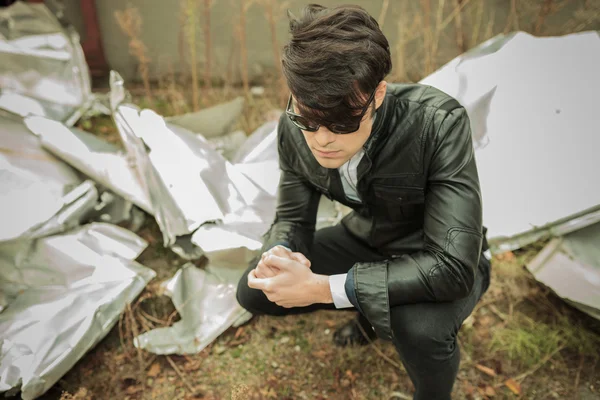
(130, 23)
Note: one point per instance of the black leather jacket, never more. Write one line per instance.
(421, 202)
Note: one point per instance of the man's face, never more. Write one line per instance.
(332, 150)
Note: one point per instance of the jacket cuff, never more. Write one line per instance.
(371, 290)
(278, 243)
(350, 291)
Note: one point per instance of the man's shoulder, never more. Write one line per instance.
(288, 135)
(424, 95)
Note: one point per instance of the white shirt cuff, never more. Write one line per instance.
(338, 291)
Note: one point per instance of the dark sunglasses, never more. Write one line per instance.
(307, 125)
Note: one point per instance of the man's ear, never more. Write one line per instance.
(380, 93)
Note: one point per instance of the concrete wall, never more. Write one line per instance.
(162, 29)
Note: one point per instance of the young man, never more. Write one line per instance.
(409, 257)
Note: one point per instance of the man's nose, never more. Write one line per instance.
(324, 137)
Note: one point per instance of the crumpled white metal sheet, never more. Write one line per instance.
(533, 109)
(570, 265)
(181, 174)
(206, 302)
(205, 298)
(94, 157)
(39, 194)
(43, 69)
(72, 288)
(59, 292)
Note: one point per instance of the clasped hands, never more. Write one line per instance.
(287, 280)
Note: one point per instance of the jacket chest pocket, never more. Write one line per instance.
(398, 203)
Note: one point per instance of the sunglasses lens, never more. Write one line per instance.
(304, 123)
(340, 128)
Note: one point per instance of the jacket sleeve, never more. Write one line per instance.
(445, 269)
(296, 210)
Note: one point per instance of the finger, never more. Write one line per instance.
(280, 251)
(287, 304)
(264, 271)
(301, 259)
(258, 283)
(280, 262)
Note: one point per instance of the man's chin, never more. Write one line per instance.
(331, 163)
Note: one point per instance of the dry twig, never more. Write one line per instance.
(498, 313)
(377, 350)
(181, 375)
(140, 356)
(524, 375)
(578, 376)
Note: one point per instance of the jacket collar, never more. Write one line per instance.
(378, 130)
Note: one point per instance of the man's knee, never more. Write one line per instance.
(424, 337)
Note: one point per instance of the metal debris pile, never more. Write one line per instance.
(67, 271)
(532, 104)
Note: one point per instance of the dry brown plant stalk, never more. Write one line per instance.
(382, 14)
(438, 31)
(513, 17)
(244, 6)
(489, 33)
(181, 44)
(427, 36)
(130, 22)
(544, 11)
(400, 63)
(477, 25)
(190, 13)
(272, 14)
(207, 44)
(460, 34)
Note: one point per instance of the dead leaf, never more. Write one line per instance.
(320, 354)
(486, 370)
(120, 358)
(514, 386)
(351, 375)
(133, 389)
(192, 365)
(486, 320)
(506, 256)
(489, 391)
(239, 332)
(469, 389)
(154, 370)
(330, 323)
